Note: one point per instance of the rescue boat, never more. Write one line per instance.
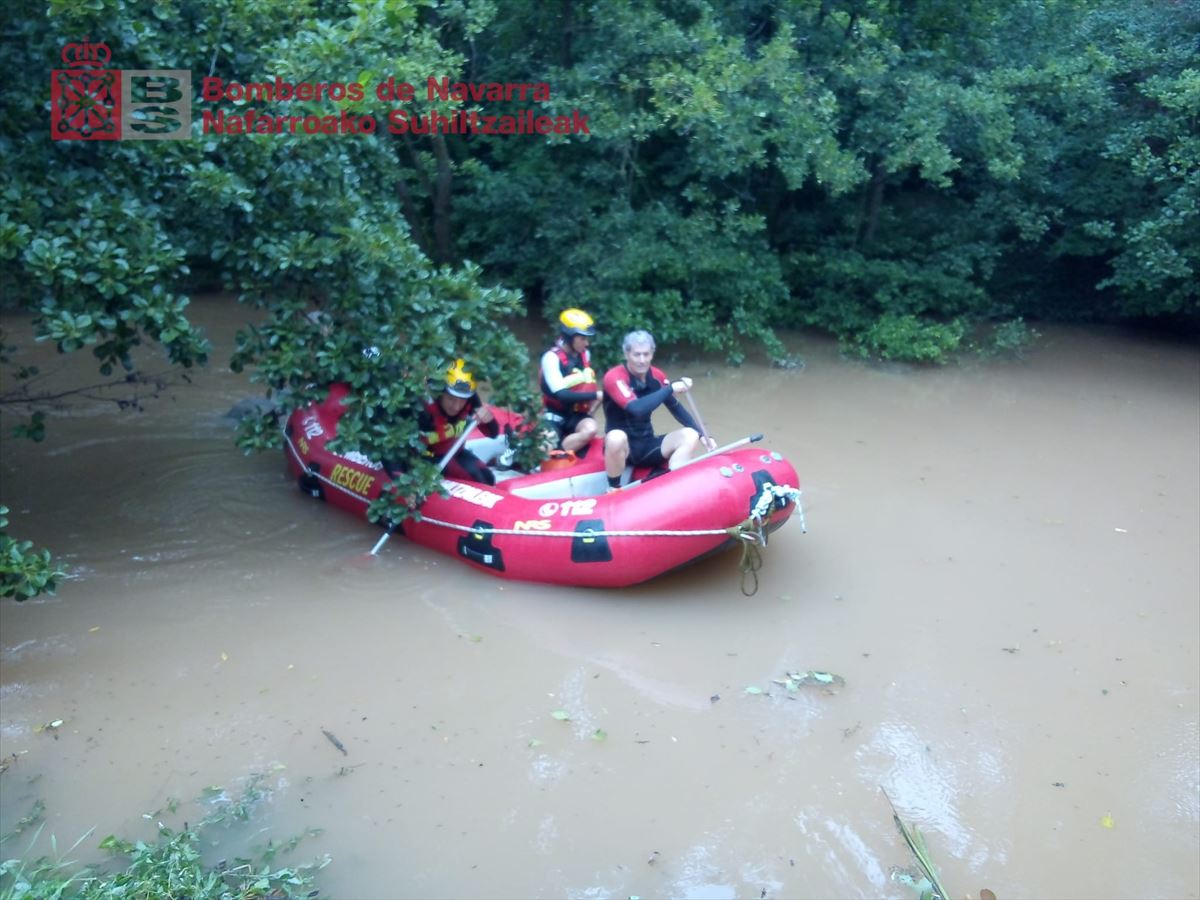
(560, 524)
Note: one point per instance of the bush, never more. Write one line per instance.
(25, 572)
(911, 339)
(170, 866)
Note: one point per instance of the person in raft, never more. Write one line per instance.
(569, 389)
(444, 419)
(632, 392)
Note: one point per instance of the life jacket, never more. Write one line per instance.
(573, 369)
(443, 430)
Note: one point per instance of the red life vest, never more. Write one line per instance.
(444, 430)
(569, 365)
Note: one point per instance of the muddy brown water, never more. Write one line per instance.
(1001, 562)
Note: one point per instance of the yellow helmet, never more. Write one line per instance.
(459, 382)
(576, 321)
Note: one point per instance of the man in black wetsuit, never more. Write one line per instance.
(632, 392)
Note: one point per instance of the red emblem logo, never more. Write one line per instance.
(85, 98)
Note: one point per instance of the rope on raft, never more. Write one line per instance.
(754, 537)
(749, 530)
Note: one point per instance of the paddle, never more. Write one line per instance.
(462, 439)
(741, 442)
(696, 413)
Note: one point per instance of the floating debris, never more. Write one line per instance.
(333, 740)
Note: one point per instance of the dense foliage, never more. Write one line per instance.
(916, 178)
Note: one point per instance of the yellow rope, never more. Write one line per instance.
(752, 536)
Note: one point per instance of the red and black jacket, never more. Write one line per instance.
(628, 403)
(441, 431)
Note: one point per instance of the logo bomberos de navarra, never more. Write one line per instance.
(91, 103)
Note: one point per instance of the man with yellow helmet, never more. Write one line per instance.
(444, 419)
(569, 389)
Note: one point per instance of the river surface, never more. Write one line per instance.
(1002, 562)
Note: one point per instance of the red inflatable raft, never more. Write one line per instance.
(560, 526)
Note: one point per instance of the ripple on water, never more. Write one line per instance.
(56, 645)
(923, 788)
(701, 877)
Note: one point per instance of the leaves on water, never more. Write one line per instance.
(31, 818)
(912, 878)
(1107, 821)
(793, 681)
(10, 760)
(562, 715)
(916, 843)
(534, 742)
(599, 735)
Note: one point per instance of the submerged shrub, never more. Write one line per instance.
(911, 339)
(169, 866)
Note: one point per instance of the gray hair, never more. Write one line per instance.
(637, 337)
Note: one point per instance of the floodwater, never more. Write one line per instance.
(1001, 562)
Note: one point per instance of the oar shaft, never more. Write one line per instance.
(379, 545)
(696, 413)
(462, 439)
(741, 442)
(749, 439)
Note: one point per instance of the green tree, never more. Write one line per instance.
(103, 240)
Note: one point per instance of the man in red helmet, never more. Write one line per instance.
(444, 419)
(569, 389)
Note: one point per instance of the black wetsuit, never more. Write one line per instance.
(628, 405)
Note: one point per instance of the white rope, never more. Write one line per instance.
(585, 532)
(769, 494)
(319, 476)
